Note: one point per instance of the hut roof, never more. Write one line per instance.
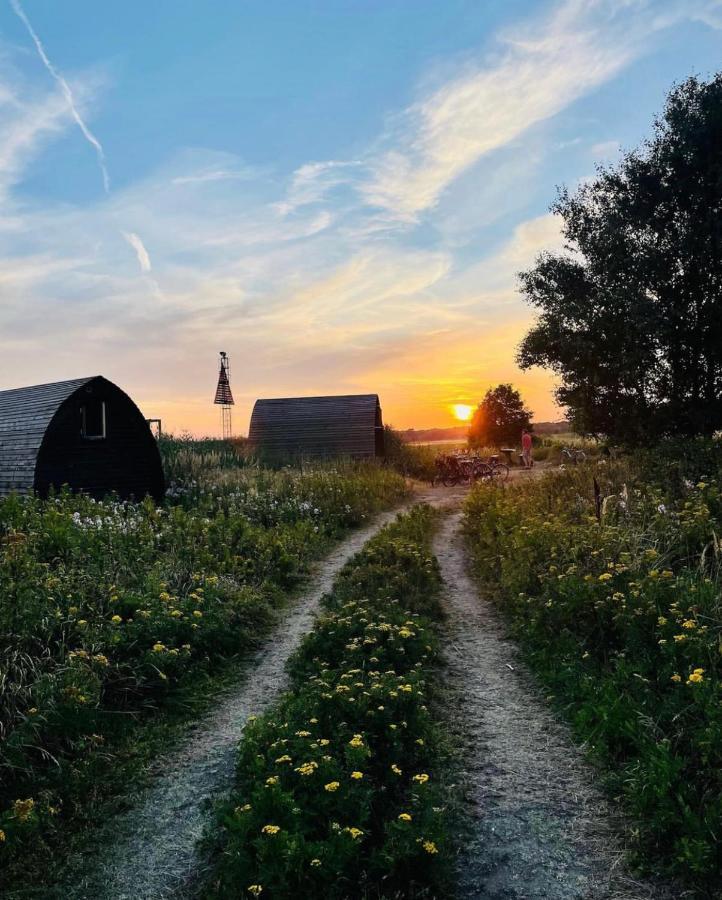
(317, 426)
(25, 414)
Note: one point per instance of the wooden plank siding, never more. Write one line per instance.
(42, 447)
(349, 425)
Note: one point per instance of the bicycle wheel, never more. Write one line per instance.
(500, 471)
(581, 456)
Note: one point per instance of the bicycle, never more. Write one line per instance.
(573, 455)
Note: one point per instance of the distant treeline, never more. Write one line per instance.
(460, 432)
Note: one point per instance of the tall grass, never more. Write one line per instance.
(108, 608)
(622, 619)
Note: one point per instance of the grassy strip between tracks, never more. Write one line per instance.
(338, 789)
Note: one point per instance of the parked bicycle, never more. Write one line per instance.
(456, 468)
(573, 455)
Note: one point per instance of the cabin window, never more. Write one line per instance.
(92, 420)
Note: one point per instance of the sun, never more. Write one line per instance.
(462, 411)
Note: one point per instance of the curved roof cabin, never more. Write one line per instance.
(85, 433)
(348, 425)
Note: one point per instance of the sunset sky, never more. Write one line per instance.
(338, 193)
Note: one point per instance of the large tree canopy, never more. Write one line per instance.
(631, 313)
(499, 418)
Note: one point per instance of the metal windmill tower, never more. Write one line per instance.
(224, 397)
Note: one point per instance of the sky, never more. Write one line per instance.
(337, 193)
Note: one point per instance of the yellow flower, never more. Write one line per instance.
(430, 847)
(272, 780)
(2, 836)
(315, 863)
(303, 734)
(255, 889)
(697, 677)
(245, 808)
(689, 623)
(164, 595)
(324, 742)
(331, 786)
(680, 637)
(421, 779)
(676, 677)
(23, 809)
(306, 768)
(661, 621)
(404, 817)
(271, 829)
(357, 776)
(605, 576)
(101, 659)
(198, 614)
(284, 758)
(116, 620)
(354, 832)
(395, 769)
(356, 741)
(159, 648)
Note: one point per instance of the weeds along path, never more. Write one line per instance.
(538, 828)
(154, 854)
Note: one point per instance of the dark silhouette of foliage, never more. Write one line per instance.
(499, 418)
(631, 314)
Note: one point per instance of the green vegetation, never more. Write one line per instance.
(629, 319)
(110, 612)
(499, 419)
(416, 461)
(338, 785)
(621, 618)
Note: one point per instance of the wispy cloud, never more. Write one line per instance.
(538, 70)
(137, 244)
(67, 93)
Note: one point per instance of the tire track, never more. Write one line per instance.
(154, 852)
(538, 826)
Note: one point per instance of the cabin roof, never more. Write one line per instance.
(25, 414)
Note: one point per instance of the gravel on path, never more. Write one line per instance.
(538, 826)
(154, 852)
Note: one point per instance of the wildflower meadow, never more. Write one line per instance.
(113, 612)
(616, 602)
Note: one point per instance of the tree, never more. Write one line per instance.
(499, 418)
(631, 312)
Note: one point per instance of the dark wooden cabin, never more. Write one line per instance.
(86, 433)
(318, 426)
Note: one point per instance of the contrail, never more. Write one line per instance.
(65, 87)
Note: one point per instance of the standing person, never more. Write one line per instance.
(526, 449)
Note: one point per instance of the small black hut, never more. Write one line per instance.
(85, 433)
(348, 425)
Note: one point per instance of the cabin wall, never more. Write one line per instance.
(126, 461)
(320, 427)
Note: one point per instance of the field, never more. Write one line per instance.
(110, 612)
(366, 771)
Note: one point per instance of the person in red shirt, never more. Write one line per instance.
(526, 449)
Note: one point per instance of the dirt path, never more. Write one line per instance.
(538, 827)
(154, 852)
